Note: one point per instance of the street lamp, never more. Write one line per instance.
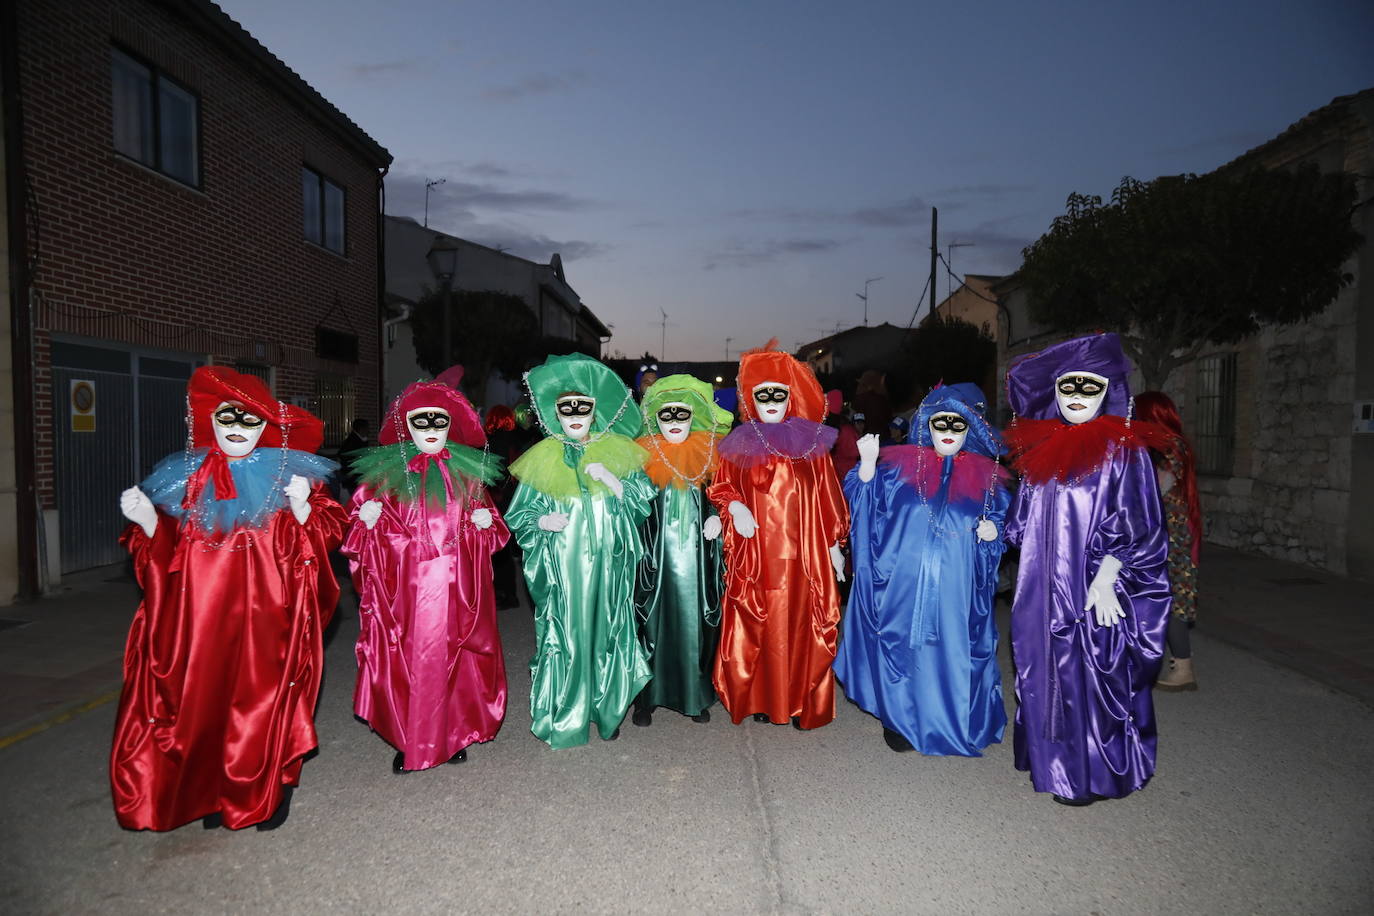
(443, 263)
(864, 296)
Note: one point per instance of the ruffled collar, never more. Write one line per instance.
(258, 481)
(682, 465)
(1045, 450)
(968, 477)
(557, 469)
(400, 471)
(752, 443)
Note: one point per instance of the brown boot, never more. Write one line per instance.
(1179, 676)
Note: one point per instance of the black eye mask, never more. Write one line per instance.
(675, 414)
(1080, 386)
(771, 395)
(430, 419)
(237, 416)
(576, 407)
(949, 424)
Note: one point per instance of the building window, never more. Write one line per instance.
(1216, 413)
(324, 210)
(156, 120)
(334, 404)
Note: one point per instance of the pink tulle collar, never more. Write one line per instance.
(973, 475)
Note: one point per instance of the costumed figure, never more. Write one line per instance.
(1176, 471)
(1092, 594)
(431, 676)
(576, 515)
(230, 542)
(680, 581)
(920, 640)
(776, 483)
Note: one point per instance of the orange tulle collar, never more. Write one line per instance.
(689, 463)
(1045, 450)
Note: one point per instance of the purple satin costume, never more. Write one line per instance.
(1085, 723)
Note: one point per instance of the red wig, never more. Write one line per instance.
(500, 418)
(1158, 408)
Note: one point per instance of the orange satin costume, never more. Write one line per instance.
(780, 614)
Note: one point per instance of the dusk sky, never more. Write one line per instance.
(746, 165)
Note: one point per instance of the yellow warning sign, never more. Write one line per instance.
(83, 405)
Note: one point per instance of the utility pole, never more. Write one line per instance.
(864, 296)
(663, 336)
(428, 186)
(934, 252)
(727, 348)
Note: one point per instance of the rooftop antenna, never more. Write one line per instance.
(429, 185)
(864, 296)
(663, 336)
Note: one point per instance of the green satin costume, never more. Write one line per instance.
(588, 664)
(682, 576)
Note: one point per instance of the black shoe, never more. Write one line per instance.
(459, 757)
(703, 717)
(796, 723)
(212, 821)
(398, 763)
(279, 816)
(1076, 802)
(643, 716)
(896, 740)
(613, 735)
(761, 717)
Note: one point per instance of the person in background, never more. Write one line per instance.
(646, 376)
(896, 432)
(1176, 471)
(845, 454)
(871, 399)
(506, 442)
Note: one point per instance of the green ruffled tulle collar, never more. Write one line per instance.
(559, 470)
(384, 469)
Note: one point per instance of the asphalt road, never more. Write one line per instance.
(1262, 803)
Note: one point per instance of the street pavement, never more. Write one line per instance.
(1261, 802)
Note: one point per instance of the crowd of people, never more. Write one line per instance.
(675, 554)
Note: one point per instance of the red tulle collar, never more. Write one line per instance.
(1045, 450)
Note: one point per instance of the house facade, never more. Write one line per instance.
(543, 287)
(189, 200)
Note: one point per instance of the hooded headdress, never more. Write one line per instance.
(973, 472)
(965, 399)
(694, 460)
(1046, 447)
(554, 465)
(769, 364)
(802, 435)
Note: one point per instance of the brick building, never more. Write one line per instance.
(188, 199)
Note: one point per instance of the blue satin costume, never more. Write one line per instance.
(919, 646)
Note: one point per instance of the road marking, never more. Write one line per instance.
(58, 719)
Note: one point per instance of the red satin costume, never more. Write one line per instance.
(780, 613)
(223, 662)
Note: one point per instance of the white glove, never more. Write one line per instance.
(710, 529)
(745, 526)
(139, 509)
(986, 530)
(553, 521)
(868, 457)
(481, 518)
(369, 512)
(1102, 593)
(298, 495)
(837, 561)
(597, 471)
(1166, 480)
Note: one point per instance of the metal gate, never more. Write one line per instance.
(93, 468)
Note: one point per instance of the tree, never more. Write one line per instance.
(491, 331)
(949, 349)
(1181, 262)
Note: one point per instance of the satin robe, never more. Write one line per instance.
(781, 611)
(919, 648)
(222, 667)
(1085, 720)
(431, 676)
(677, 596)
(588, 665)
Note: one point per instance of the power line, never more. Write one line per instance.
(919, 300)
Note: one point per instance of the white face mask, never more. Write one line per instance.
(428, 427)
(675, 422)
(1080, 395)
(771, 400)
(575, 415)
(237, 429)
(947, 433)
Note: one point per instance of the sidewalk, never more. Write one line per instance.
(65, 653)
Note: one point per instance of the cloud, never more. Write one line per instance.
(382, 68)
(538, 84)
(487, 170)
(984, 190)
(1232, 142)
(408, 190)
(750, 254)
(910, 212)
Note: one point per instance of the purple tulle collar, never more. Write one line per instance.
(752, 444)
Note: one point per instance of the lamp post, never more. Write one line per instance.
(443, 263)
(864, 296)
